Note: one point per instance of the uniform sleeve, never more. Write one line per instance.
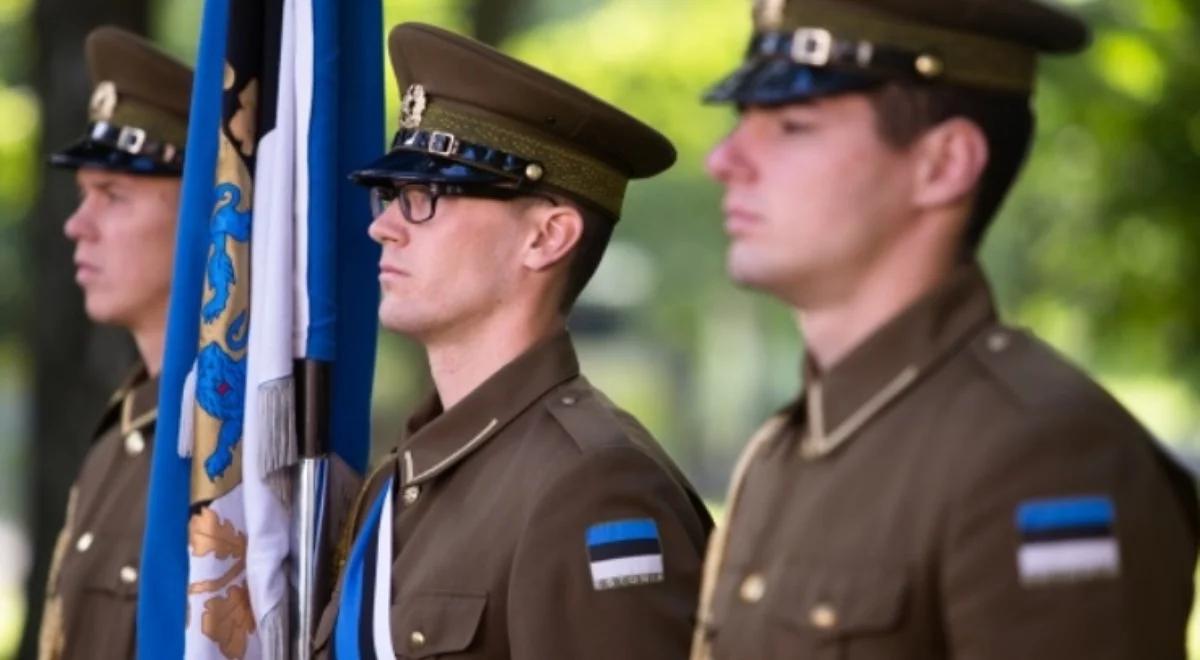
(1073, 539)
(609, 564)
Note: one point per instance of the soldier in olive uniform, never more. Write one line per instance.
(522, 514)
(944, 486)
(127, 167)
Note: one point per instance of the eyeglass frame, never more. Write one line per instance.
(436, 189)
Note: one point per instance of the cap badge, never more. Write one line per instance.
(412, 107)
(768, 13)
(104, 101)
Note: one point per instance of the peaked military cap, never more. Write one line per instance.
(137, 116)
(810, 48)
(473, 115)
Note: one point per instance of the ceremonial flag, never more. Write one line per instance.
(274, 274)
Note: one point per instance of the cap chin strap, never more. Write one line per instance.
(447, 145)
(133, 141)
(818, 47)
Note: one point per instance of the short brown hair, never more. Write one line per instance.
(585, 258)
(903, 111)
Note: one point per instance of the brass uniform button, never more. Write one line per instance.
(84, 542)
(129, 574)
(823, 616)
(534, 172)
(997, 342)
(135, 443)
(929, 66)
(754, 587)
(411, 494)
(416, 639)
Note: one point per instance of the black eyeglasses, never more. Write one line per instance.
(418, 201)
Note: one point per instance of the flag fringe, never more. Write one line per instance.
(273, 631)
(277, 412)
(187, 414)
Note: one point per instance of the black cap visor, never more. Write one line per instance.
(88, 153)
(777, 81)
(419, 166)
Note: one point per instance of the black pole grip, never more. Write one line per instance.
(314, 380)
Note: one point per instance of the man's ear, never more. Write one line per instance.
(555, 232)
(951, 159)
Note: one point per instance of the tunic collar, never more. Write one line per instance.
(140, 405)
(134, 405)
(842, 399)
(435, 439)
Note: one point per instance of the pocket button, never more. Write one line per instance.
(129, 574)
(823, 616)
(754, 587)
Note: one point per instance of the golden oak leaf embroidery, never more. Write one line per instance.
(210, 586)
(244, 121)
(229, 621)
(208, 534)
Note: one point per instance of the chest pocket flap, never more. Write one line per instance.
(843, 603)
(430, 624)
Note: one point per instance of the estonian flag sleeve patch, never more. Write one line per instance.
(623, 553)
(1067, 539)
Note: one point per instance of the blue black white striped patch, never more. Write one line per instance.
(1067, 540)
(623, 553)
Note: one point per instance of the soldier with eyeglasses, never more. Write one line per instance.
(521, 514)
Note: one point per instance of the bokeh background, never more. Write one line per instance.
(1096, 249)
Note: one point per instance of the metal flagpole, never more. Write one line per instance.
(311, 498)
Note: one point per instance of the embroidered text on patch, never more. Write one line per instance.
(624, 553)
(1067, 540)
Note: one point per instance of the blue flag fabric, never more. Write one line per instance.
(353, 276)
(162, 598)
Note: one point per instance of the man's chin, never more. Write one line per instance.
(756, 276)
(102, 313)
(400, 322)
(745, 271)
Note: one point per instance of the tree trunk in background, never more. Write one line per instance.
(75, 364)
(494, 20)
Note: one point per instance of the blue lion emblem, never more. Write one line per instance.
(220, 378)
(227, 222)
(220, 391)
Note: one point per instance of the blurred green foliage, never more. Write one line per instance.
(1096, 250)
(18, 170)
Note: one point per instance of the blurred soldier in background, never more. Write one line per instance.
(944, 486)
(127, 167)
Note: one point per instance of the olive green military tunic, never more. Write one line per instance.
(497, 501)
(952, 489)
(91, 601)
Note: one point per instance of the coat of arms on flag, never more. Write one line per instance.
(219, 608)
